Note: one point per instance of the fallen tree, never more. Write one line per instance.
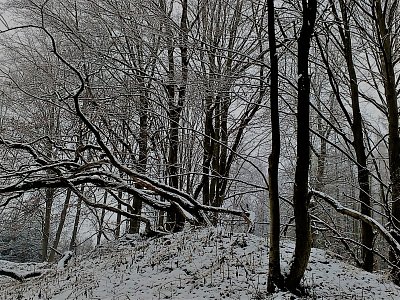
(21, 275)
(103, 170)
(386, 234)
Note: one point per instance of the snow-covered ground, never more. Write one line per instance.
(197, 264)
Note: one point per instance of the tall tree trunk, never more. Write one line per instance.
(300, 195)
(101, 221)
(134, 226)
(208, 146)
(225, 75)
(367, 235)
(274, 273)
(60, 225)
(215, 171)
(49, 192)
(175, 219)
(321, 161)
(204, 185)
(119, 219)
(388, 77)
(49, 199)
(73, 242)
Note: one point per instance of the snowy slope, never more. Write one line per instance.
(200, 264)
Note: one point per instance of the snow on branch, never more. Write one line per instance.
(143, 219)
(71, 173)
(359, 216)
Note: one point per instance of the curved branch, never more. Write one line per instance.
(359, 216)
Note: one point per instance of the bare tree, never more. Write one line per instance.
(384, 17)
(356, 125)
(301, 198)
(274, 274)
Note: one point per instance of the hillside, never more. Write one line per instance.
(199, 264)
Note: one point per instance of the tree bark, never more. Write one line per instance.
(208, 146)
(119, 219)
(175, 219)
(134, 225)
(60, 225)
(73, 243)
(367, 235)
(49, 192)
(274, 272)
(389, 79)
(300, 195)
(102, 216)
(49, 199)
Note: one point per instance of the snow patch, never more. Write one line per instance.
(195, 264)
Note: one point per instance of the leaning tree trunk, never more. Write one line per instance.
(300, 195)
(60, 225)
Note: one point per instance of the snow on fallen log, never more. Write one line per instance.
(19, 272)
(21, 276)
(22, 271)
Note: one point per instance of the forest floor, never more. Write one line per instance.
(195, 264)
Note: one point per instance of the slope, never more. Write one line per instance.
(194, 264)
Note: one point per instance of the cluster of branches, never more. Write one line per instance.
(173, 106)
(112, 101)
